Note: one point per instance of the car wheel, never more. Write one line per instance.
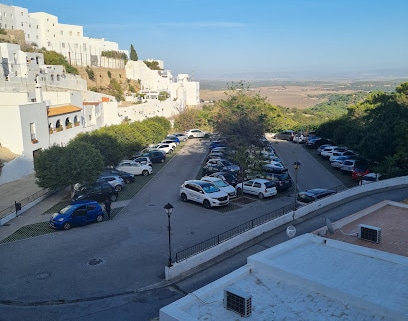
(99, 218)
(118, 188)
(128, 181)
(206, 204)
(67, 226)
(145, 173)
(113, 198)
(183, 197)
(162, 160)
(261, 196)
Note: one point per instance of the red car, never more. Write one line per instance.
(359, 172)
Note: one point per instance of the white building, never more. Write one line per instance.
(44, 31)
(42, 105)
(355, 269)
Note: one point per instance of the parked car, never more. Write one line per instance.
(258, 186)
(360, 169)
(127, 177)
(222, 185)
(315, 143)
(311, 195)
(97, 191)
(322, 147)
(155, 155)
(348, 153)
(209, 169)
(114, 180)
(299, 138)
(282, 181)
(171, 138)
(228, 176)
(195, 133)
(165, 148)
(171, 142)
(182, 137)
(337, 161)
(134, 168)
(217, 143)
(370, 178)
(202, 192)
(144, 160)
(77, 214)
(274, 168)
(329, 150)
(227, 165)
(349, 165)
(285, 135)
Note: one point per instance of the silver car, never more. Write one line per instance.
(115, 181)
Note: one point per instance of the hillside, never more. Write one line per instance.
(103, 77)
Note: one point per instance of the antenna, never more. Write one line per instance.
(329, 225)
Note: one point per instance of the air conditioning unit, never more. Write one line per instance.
(369, 233)
(238, 302)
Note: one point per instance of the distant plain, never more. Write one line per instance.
(299, 94)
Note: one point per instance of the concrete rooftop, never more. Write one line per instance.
(318, 276)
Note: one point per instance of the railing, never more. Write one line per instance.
(220, 238)
(24, 202)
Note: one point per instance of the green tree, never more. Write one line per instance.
(106, 144)
(58, 167)
(54, 58)
(133, 54)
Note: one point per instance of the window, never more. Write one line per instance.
(32, 131)
(70, 33)
(61, 32)
(63, 45)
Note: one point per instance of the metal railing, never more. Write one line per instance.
(23, 202)
(220, 238)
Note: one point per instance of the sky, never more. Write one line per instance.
(217, 39)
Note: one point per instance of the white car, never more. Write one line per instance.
(172, 143)
(202, 192)
(134, 168)
(222, 185)
(182, 137)
(337, 161)
(258, 186)
(195, 133)
(166, 148)
(328, 151)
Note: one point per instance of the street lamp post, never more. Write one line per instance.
(296, 165)
(169, 209)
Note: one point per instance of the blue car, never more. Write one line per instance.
(77, 214)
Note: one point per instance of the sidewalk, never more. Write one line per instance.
(32, 213)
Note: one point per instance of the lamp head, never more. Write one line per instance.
(168, 208)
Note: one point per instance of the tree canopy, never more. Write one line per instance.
(133, 55)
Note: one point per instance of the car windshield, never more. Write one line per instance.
(210, 188)
(65, 209)
(220, 183)
(269, 184)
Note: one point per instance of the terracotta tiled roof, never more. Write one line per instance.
(61, 110)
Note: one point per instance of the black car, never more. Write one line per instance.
(230, 177)
(211, 169)
(97, 191)
(127, 177)
(282, 181)
(156, 156)
(273, 169)
(315, 143)
(311, 195)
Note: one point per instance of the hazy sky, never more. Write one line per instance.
(210, 38)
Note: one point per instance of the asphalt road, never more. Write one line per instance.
(115, 270)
